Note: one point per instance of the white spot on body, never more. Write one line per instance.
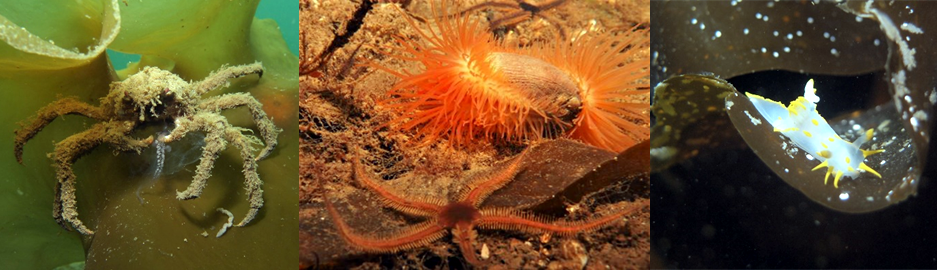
(844, 196)
(754, 120)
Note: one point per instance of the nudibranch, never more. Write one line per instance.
(474, 87)
(802, 124)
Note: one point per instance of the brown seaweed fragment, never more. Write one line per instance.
(550, 168)
(564, 171)
(690, 118)
(156, 96)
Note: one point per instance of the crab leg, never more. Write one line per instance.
(213, 126)
(252, 181)
(266, 127)
(220, 77)
(218, 134)
(47, 114)
(72, 148)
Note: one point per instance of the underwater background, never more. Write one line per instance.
(161, 233)
(720, 203)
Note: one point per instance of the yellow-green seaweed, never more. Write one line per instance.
(164, 233)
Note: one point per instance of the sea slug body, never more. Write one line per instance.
(802, 124)
(473, 87)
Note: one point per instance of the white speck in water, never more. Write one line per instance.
(787, 49)
(911, 28)
(758, 16)
(745, 31)
(693, 21)
(718, 33)
(702, 26)
(734, 3)
(858, 19)
(832, 38)
(775, 54)
(765, 18)
(786, 170)
(790, 36)
(810, 20)
(763, 50)
(826, 34)
(876, 42)
(834, 52)
(775, 33)
(799, 33)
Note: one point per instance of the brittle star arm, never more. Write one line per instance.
(484, 5)
(509, 219)
(267, 129)
(477, 191)
(423, 208)
(417, 236)
(220, 77)
(49, 113)
(69, 150)
(465, 235)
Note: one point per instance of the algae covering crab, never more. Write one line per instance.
(157, 96)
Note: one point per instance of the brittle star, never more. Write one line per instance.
(524, 8)
(460, 217)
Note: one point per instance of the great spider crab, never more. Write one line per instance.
(154, 96)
